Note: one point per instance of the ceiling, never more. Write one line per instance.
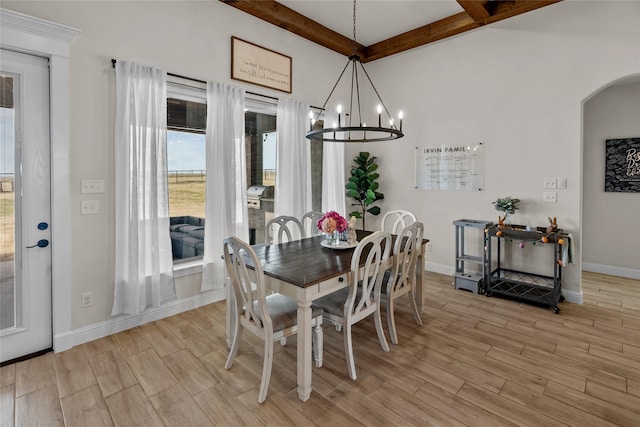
(383, 27)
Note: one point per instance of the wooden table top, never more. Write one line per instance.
(306, 262)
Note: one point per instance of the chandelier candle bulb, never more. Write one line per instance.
(339, 109)
(379, 116)
(400, 116)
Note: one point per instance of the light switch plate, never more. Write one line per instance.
(549, 183)
(562, 183)
(89, 186)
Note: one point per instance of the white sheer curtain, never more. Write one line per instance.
(226, 199)
(143, 264)
(293, 176)
(333, 174)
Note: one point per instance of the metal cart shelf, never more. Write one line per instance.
(521, 284)
(464, 277)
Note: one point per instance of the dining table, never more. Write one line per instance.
(306, 270)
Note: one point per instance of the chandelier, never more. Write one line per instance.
(354, 129)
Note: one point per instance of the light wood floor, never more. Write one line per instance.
(476, 361)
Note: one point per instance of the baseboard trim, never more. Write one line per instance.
(85, 334)
(611, 270)
(439, 268)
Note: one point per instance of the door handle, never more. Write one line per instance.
(42, 243)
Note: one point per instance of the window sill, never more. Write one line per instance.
(187, 268)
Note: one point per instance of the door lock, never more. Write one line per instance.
(42, 243)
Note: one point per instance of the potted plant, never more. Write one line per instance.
(508, 205)
(362, 186)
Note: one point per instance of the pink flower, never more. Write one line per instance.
(332, 221)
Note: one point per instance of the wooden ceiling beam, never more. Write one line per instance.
(290, 20)
(452, 25)
(478, 10)
(447, 27)
(476, 13)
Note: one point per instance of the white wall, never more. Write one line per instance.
(611, 232)
(190, 38)
(517, 85)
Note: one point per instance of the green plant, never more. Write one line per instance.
(362, 186)
(507, 204)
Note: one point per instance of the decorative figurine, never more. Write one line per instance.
(352, 238)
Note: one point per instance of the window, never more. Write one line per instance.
(186, 164)
(186, 154)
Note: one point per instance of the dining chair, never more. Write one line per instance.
(311, 218)
(282, 227)
(400, 279)
(396, 220)
(361, 297)
(271, 317)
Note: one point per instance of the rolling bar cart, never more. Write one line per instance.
(465, 278)
(531, 287)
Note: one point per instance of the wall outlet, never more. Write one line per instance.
(550, 197)
(549, 183)
(428, 247)
(87, 299)
(88, 186)
(89, 207)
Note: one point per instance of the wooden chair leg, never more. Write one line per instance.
(237, 337)
(348, 351)
(266, 368)
(378, 321)
(414, 306)
(391, 321)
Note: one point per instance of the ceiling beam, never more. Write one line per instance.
(290, 20)
(478, 10)
(476, 13)
(447, 27)
(452, 25)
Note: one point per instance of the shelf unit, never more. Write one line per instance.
(537, 288)
(464, 277)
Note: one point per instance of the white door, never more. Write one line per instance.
(25, 193)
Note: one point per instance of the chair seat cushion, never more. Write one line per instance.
(334, 302)
(284, 311)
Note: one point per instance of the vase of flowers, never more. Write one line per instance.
(332, 224)
(508, 205)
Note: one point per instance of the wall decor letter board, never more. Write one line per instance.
(622, 173)
(450, 167)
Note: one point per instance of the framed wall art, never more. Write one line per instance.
(260, 66)
(622, 173)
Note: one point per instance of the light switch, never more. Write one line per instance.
(549, 183)
(88, 186)
(562, 183)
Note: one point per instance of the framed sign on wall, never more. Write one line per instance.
(622, 174)
(260, 66)
(450, 167)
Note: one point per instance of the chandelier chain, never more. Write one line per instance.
(353, 47)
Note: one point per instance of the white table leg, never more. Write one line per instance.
(304, 349)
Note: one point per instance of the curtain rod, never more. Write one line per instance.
(113, 64)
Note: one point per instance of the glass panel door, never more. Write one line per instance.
(25, 198)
